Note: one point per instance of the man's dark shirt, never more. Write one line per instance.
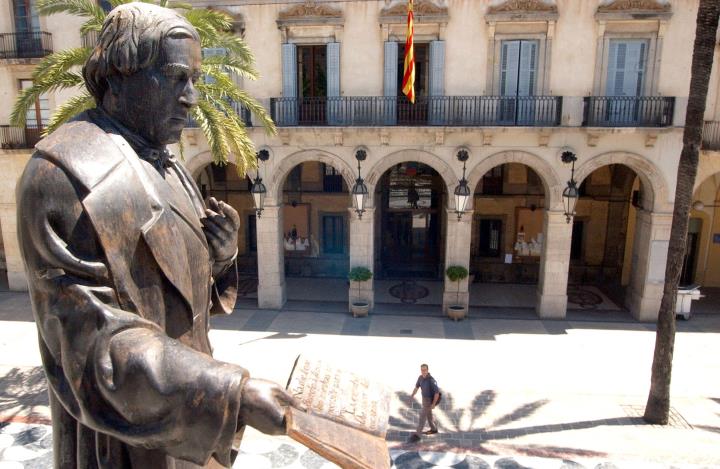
(428, 386)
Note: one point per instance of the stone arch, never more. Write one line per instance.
(195, 164)
(279, 174)
(551, 182)
(388, 161)
(656, 198)
(708, 167)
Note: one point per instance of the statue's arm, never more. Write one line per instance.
(114, 371)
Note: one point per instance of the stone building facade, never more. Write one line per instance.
(513, 83)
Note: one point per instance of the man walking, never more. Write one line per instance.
(430, 396)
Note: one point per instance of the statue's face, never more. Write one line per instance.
(155, 102)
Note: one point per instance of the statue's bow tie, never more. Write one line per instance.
(158, 158)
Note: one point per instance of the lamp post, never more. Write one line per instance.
(462, 191)
(571, 193)
(258, 189)
(359, 189)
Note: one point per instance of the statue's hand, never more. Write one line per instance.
(263, 406)
(220, 226)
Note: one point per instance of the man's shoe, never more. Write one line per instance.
(431, 432)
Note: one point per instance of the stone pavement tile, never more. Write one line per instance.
(235, 321)
(15, 306)
(492, 328)
(307, 322)
(260, 320)
(461, 330)
(394, 326)
(356, 326)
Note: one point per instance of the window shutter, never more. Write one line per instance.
(286, 111)
(391, 69)
(616, 68)
(333, 69)
(528, 68)
(635, 65)
(437, 68)
(333, 83)
(510, 55)
(289, 70)
(390, 90)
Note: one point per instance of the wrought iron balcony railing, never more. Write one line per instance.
(242, 111)
(427, 111)
(28, 45)
(711, 135)
(628, 111)
(12, 138)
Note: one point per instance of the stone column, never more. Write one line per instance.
(15, 268)
(457, 252)
(649, 257)
(271, 260)
(13, 163)
(554, 264)
(362, 254)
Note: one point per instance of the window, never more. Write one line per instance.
(333, 234)
(422, 67)
(490, 238)
(26, 17)
(37, 117)
(518, 68)
(626, 67)
(332, 179)
(492, 181)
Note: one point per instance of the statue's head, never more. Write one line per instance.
(143, 70)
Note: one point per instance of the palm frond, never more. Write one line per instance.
(235, 46)
(210, 20)
(60, 62)
(224, 89)
(69, 109)
(233, 64)
(209, 119)
(83, 8)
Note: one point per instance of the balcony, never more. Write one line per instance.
(242, 111)
(628, 111)
(474, 111)
(89, 39)
(31, 45)
(15, 138)
(711, 136)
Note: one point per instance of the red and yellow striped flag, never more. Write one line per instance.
(408, 83)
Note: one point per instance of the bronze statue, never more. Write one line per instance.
(126, 264)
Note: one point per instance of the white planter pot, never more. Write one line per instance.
(359, 308)
(456, 312)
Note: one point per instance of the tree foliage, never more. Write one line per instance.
(219, 97)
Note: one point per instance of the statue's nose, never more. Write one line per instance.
(190, 95)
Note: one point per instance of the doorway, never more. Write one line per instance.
(411, 196)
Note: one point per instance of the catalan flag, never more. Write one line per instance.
(408, 82)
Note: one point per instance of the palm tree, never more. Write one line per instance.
(658, 405)
(215, 113)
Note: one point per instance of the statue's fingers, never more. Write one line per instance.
(213, 226)
(230, 213)
(221, 222)
(213, 203)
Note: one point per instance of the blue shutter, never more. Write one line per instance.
(333, 83)
(527, 74)
(286, 113)
(390, 90)
(437, 83)
(509, 57)
(437, 68)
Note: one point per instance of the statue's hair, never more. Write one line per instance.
(130, 41)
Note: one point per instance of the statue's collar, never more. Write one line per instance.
(159, 157)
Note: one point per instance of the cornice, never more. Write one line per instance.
(309, 13)
(634, 9)
(424, 11)
(519, 10)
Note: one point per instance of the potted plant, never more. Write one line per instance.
(358, 306)
(456, 273)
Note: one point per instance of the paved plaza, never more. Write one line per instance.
(518, 392)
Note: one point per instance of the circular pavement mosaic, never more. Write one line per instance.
(409, 291)
(583, 298)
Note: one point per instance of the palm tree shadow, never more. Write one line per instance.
(463, 429)
(23, 392)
